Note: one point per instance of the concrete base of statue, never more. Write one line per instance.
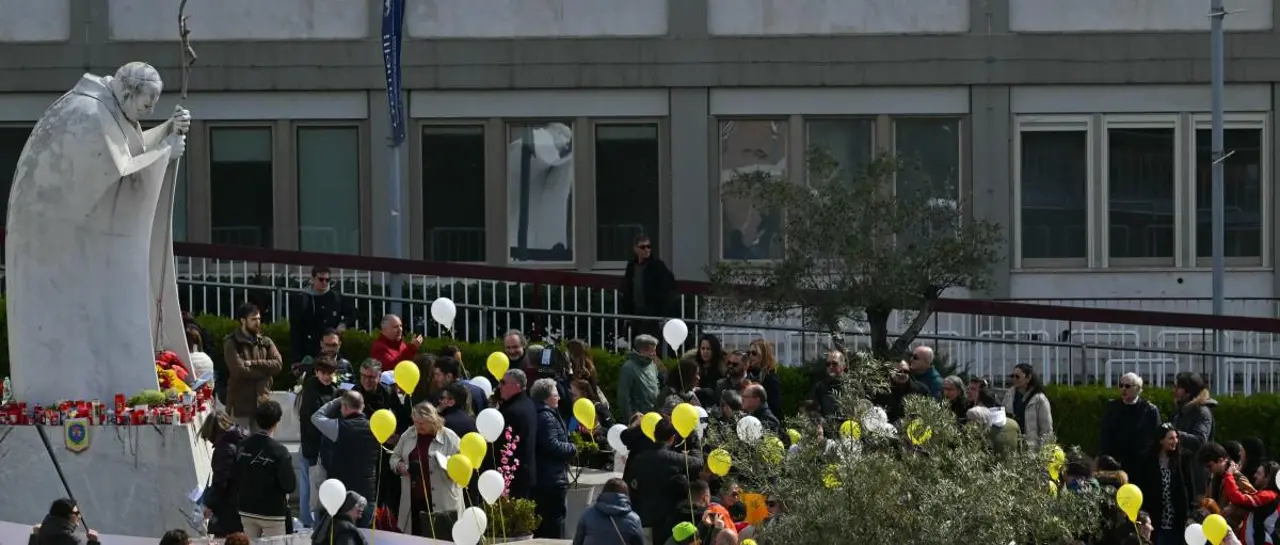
(131, 480)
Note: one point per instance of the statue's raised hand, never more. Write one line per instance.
(181, 120)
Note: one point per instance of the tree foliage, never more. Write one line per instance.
(859, 245)
(951, 488)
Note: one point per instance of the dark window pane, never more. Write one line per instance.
(628, 168)
(329, 189)
(849, 142)
(12, 139)
(751, 231)
(241, 184)
(930, 147)
(540, 192)
(1242, 189)
(453, 199)
(1055, 184)
(1141, 181)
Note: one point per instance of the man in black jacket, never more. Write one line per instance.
(355, 450)
(648, 289)
(378, 396)
(317, 389)
(314, 311)
(555, 452)
(266, 477)
(900, 386)
(659, 480)
(1128, 425)
(518, 410)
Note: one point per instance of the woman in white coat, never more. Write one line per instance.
(420, 459)
(1027, 404)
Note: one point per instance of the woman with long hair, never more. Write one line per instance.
(219, 499)
(581, 389)
(681, 387)
(762, 368)
(713, 363)
(1027, 403)
(1165, 476)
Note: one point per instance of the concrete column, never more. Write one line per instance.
(691, 188)
(687, 18)
(990, 183)
(380, 174)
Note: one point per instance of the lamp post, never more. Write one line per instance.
(1216, 15)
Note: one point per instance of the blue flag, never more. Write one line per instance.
(392, 23)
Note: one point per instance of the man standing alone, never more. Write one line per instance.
(648, 287)
(252, 362)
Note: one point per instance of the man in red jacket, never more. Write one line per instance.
(389, 348)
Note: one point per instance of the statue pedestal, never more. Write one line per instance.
(132, 480)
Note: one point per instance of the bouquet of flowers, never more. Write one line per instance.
(171, 373)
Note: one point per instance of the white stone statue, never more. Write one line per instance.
(92, 292)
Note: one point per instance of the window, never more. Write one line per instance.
(540, 192)
(241, 185)
(750, 230)
(848, 142)
(628, 169)
(1242, 187)
(1053, 178)
(329, 189)
(930, 147)
(1141, 187)
(12, 140)
(453, 198)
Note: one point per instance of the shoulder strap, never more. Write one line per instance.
(621, 540)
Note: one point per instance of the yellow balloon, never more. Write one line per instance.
(407, 376)
(649, 423)
(1053, 489)
(473, 446)
(773, 449)
(382, 424)
(831, 476)
(918, 432)
(793, 435)
(585, 411)
(460, 469)
(748, 541)
(1215, 529)
(1129, 499)
(851, 429)
(497, 364)
(719, 462)
(685, 419)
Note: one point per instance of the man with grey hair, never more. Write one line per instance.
(354, 456)
(521, 416)
(390, 348)
(1129, 424)
(638, 380)
(555, 451)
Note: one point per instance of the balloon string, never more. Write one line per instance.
(426, 493)
(688, 489)
(501, 515)
(377, 491)
(331, 524)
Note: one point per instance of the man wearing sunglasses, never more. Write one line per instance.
(648, 289)
(1128, 424)
(312, 312)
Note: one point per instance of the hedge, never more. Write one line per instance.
(1077, 410)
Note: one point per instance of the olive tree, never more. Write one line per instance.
(859, 243)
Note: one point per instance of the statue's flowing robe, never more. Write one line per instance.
(89, 267)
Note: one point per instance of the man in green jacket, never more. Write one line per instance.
(638, 380)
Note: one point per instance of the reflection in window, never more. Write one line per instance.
(1055, 183)
(540, 192)
(329, 189)
(750, 230)
(627, 172)
(930, 149)
(12, 140)
(1140, 180)
(850, 142)
(453, 199)
(240, 184)
(1242, 188)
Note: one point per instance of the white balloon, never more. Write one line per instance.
(614, 438)
(475, 518)
(332, 494)
(490, 423)
(465, 534)
(483, 384)
(675, 332)
(491, 485)
(750, 429)
(1194, 535)
(444, 311)
(702, 419)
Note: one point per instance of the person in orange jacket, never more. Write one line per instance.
(390, 347)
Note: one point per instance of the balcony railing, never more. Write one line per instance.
(1067, 340)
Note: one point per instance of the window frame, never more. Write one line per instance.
(1233, 121)
(717, 185)
(279, 173)
(1055, 123)
(1142, 121)
(418, 187)
(363, 186)
(876, 144)
(30, 126)
(575, 191)
(662, 236)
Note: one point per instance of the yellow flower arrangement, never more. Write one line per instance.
(170, 382)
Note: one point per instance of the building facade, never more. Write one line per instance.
(549, 133)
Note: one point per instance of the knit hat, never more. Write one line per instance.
(684, 533)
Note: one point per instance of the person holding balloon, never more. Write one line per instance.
(554, 453)
(356, 450)
(430, 501)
